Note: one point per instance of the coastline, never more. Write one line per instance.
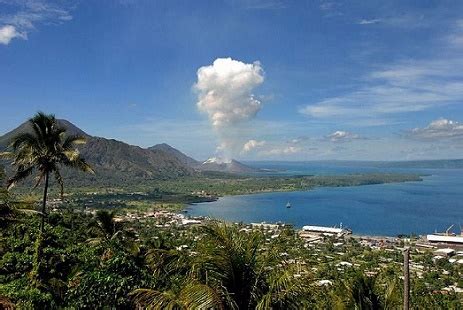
(420, 178)
(381, 211)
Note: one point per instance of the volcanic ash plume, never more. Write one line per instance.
(225, 95)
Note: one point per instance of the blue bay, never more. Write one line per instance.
(385, 209)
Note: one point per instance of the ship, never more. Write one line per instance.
(288, 205)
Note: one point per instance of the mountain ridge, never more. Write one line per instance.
(176, 153)
(114, 160)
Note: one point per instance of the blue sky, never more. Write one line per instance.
(291, 80)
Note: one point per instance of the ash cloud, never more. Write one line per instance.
(225, 95)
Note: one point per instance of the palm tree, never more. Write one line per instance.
(230, 260)
(44, 151)
(106, 223)
(229, 270)
(6, 211)
(192, 295)
(361, 293)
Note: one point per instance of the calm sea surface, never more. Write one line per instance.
(387, 209)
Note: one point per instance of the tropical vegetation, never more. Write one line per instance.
(93, 261)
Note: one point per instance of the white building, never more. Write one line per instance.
(445, 239)
(325, 230)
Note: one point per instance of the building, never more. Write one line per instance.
(445, 239)
(326, 230)
(444, 252)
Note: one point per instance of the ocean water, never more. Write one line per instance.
(386, 209)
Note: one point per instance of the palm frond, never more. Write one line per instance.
(77, 162)
(392, 296)
(200, 296)
(6, 155)
(117, 235)
(21, 174)
(229, 258)
(193, 295)
(39, 124)
(152, 299)
(23, 140)
(24, 156)
(106, 222)
(70, 141)
(165, 262)
(285, 291)
(29, 211)
(95, 241)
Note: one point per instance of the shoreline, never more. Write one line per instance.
(191, 207)
(215, 198)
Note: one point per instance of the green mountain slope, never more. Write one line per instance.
(115, 161)
(176, 153)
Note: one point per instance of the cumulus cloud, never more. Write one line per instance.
(342, 136)
(225, 95)
(225, 91)
(438, 129)
(251, 145)
(9, 32)
(23, 16)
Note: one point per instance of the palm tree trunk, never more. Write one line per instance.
(44, 203)
(35, 273)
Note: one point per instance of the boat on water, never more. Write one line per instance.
(288, 205)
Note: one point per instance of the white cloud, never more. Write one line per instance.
(342, 136)
(407, 21)
(251, 145)
(25, 15)
(9, 32)
(225, 91)
(401, 87)
(225, 94)
(369, 21)
(405, 87)
(438, 130)
(283, 142)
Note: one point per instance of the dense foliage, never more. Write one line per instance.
(93, 261)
